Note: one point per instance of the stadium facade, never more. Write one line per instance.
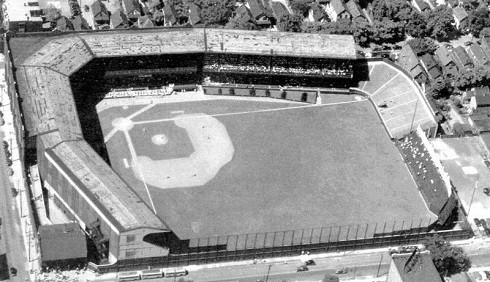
(121, 225)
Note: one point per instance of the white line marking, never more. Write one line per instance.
(133, 156)
(393, 97)
(250, 112)
(414, 122)
(177, 112)
(386, 83)
(391, 108)
(409, 113)
(114, 130)
(125, 161)
(110, 134)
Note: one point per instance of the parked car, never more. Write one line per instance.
(13, 271)
(342, 270)
(486, 191)
(310, 262)
(487, 273)
(477, 221)
(302, 268)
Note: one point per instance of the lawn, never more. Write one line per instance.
(294, 166)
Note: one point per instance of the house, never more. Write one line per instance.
(145, 22)
(194, 14)
(485, 43)
(119, 20)
(131, 9)
(279, 10)
(478, 55)
(461, 58)
(64, 24)
(317, 13)
(430, 66)
(482, 96)
(446, 61)
(409, 61)
(353, 9)
(412, 267)
(421, 5)
(336, 10)
(460, 15)
(169, 15)
(452, 3)
(62, 245)
(22, 16)
(99, 13)
(158, 17)
(244, 15)
(154, 5)
(260, 12)
(79, 23)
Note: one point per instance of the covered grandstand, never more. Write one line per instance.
(63, 79)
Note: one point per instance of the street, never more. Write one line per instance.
(11, 242)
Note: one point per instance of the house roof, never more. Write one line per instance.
(423, 6)
(79, 23)
(477, 54)
(256, 8)
(169, 14)
(444, 57)
(417, 71)
(428, 60)
(119, 20)
(62, 242)
(415, 267)
(338, 6)
(353, 9)
(407, 58)
(279, 10)
(461, 57)
(317, 11)
(97, 8)
(243, 14)
(453, 3)
(64, 24)
(482, 96)
(144, 22)
(129, 6)
(194, 16)
(460, 13)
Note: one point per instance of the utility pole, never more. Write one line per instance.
(268, 271)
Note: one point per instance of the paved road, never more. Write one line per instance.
(11, 242)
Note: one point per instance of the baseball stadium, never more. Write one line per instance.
(202, 145)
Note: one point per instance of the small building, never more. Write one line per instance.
(22, 16)
(62, 245)
(158, 17)
(194, 14)
(64, 24)
(430, 66)
(260, 12)
(482, 96)
(412, 267)
(100, 13)
(485, 43)
(460, 15)
(478, 55)
(119, 20)
(154, 5)
(336, 10)
(421, 5)
(461, 58)
(79, 23)
(409, 61)
(145, 22)
(169, 15)
(446, 61)
(131, 9)
(317, 13)
(279, 10)
(354, 9)
(244, 15)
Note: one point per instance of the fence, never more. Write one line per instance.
(287, 243)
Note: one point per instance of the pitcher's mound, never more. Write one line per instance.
(159, 139)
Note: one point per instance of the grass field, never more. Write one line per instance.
(294, 166)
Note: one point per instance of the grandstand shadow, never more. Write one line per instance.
(361, 70)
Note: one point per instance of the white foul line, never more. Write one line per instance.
(114, 130)
(133, 155)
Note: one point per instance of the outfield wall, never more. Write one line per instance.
(292, 94)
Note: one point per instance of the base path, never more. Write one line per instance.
(213, 149)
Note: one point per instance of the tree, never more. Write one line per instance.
(485, 32)
(211, 11)
(338, 27)
(440, 23)
(300, 7)
(180, 10)
(448, 259)
(395, 10)
(52, 13)
(238, 24)
(75, 9)
(417, 25)
(439, 88)
(477, 20)
(362, 31)
(423, 46)
(387, 31)
(290, 23)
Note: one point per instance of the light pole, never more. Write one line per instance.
(472, 196)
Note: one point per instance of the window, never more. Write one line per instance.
(130, 253)
(129, 238)
(35, 13)
(33, 4)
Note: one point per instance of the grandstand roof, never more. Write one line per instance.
(413, 267)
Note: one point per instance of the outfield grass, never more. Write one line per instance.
(292, 169)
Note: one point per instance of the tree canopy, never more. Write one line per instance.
(477, 20)
(290, 23)
(387, 31)
(417, 25)
(440, 23)
(448, 259)
(238, 24)
(439, 88)
(423, 46)
(213, 11)
(300, 7)
(395, 10)
(52, 13)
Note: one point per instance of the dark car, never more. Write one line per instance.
(483, 223)
(302, 268)
(310, 262)
(486, 191)
(13, 271)
(343, 270)
(468, 43)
